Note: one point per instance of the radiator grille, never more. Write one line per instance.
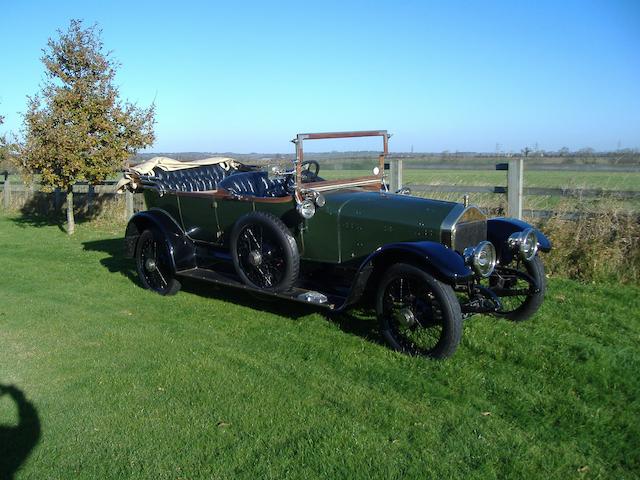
(469, 234)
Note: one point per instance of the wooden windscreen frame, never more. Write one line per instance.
(301, 137)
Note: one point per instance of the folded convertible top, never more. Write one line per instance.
(169, 165)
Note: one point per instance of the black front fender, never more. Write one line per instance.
(443, 263)
(182, 252)
(499, 229)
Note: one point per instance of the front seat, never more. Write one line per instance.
(256, 184)
(248, 183)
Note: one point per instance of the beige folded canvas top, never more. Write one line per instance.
(169, 165)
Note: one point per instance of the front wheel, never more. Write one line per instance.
(153, 265)
(418, 314)
(264, 252)
(519, 297)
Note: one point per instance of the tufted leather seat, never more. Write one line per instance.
(196, 179)
(258, 184)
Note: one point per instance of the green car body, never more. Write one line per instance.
(351, 224)
(300, 237)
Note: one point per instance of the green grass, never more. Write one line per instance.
(215, 384)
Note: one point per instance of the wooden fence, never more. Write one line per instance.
(514, 190)
(16, 195)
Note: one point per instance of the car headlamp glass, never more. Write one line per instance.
(320, 200)
(481, 258)
(529, 246)
(526, 242)
(306, 209)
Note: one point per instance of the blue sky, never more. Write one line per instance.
(247, 76)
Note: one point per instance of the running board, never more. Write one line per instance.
(300, 295)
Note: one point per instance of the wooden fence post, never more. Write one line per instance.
(128, 204)
(395, 182)
(57, 200)
(514, 187)
(90, 195)
(6, 193)
(392, 174)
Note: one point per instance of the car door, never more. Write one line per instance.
(229, 209)
(198, 215)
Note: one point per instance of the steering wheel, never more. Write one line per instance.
(307, 174)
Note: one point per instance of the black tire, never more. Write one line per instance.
(522, 308)
(264, 252)
(417, 313)
(153, 265)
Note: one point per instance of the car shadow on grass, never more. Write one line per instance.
(115, 262)
(359, 322)
(355, 322)
(17, 441)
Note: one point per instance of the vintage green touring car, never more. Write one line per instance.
(424, 265)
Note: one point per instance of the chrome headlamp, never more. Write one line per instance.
(319, 199)
(481, 258)
(526, 242)
(306, 209)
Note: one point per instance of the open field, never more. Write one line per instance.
(215, 384)
(532, 178)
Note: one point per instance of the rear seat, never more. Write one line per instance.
(197, 179)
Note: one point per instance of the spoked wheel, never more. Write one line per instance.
(418, 314)
(264, 252)
(153, 265)
(516, 291)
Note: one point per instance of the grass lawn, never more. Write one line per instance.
(212, 383)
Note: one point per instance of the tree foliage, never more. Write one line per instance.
(3, 145)
(77, 128)
(7, 153)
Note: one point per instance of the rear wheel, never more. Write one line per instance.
(418, 314)
(154, 266)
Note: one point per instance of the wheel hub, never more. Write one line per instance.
(150, 264)
(255, 258)
(406, 318)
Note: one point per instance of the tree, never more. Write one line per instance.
(3, 144)
(77, 128)
(6, 150)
